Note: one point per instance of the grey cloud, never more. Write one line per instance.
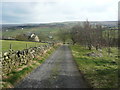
(18, 12)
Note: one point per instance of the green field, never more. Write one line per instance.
(42, 32)
(37, 30)
(100, 72)
(18, 45)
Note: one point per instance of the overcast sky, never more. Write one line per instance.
(46, 11)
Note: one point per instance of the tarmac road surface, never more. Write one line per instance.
(58, 71)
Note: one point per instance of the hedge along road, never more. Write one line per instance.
(58, 71)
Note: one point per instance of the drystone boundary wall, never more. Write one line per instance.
(13, 59)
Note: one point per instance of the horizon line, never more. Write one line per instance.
(62, 22)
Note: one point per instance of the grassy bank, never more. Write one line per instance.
(14, 77)
(100, 72)
(18, 45)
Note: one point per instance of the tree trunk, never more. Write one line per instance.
(90, 47)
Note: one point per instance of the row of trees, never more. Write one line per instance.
(90, 35)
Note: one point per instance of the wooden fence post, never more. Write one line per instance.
(10, 46)
(26, 46)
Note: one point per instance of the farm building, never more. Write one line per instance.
(34, 37)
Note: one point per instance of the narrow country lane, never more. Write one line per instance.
(58, 71)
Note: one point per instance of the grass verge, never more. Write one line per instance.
(100, 72)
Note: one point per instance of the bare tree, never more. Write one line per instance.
(62, 34)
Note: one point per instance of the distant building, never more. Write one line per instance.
(50, 37)
(34, 37)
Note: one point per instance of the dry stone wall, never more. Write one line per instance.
(13, 59)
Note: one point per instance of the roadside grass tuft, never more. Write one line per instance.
(16, 75)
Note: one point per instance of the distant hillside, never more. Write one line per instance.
(11, 30)
(107, 23)
(104, 23)
(61, 24)
(19, 26)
